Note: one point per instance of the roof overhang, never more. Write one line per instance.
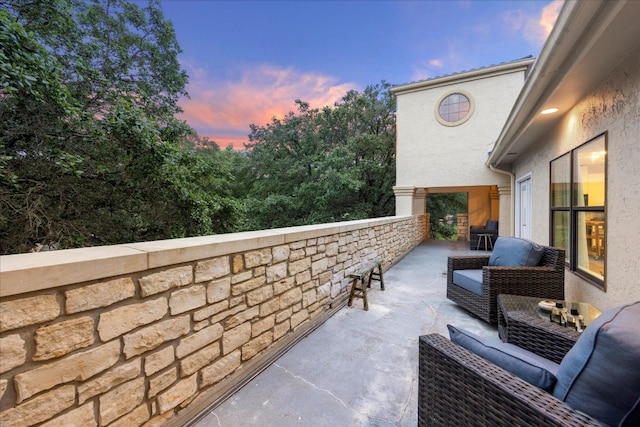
(465, 76)
(588, 40)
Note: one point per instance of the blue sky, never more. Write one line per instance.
(248, 61)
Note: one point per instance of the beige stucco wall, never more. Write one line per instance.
(430, 154)
(613, 107)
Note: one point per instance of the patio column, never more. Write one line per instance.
(506, 215)
(419, 202)
(404, 200)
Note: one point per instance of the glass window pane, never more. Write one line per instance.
(561, 231)
(578, 181)
(454, 107)
(590, 245)
(588, 174)
(561, 181)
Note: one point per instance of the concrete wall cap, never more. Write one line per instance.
(21, 273)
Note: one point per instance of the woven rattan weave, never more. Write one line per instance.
(520, 322)
(546, 280)
(459, 388)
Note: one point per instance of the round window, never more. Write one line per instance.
(454, 109)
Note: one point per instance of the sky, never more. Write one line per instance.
(248, 61)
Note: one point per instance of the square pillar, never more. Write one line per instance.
(404, 200)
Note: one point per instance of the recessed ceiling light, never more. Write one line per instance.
(549, 111)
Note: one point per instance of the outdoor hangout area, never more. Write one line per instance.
(417, 357)
(153, 333)
(359, 368)
(567, 356)
(267, 328)
(526, 313)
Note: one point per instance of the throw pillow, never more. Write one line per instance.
(515, 252)
(600, 375)
(530, 367)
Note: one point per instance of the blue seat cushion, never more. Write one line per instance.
(530, 367)
(515, 252)
(470, 280)
(600, 375)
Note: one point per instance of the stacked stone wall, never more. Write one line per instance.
(138, 348)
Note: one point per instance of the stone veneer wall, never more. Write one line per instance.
(142, 334)
(463, 226)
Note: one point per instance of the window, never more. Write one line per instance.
(454, 109)
(578, 189)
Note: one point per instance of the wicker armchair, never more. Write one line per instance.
(457, 387)
(546, 280)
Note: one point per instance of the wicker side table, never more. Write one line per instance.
(523, 323)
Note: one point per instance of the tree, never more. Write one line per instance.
(91, 152)
(371, 137)
(324, 165)
(109, 49)
(442, 209)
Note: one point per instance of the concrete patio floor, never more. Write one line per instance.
(359, 368)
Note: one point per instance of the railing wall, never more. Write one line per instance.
(152, 333)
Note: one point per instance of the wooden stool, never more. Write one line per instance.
(363, 277)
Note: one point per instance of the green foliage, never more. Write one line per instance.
(90, 151)
(26, 67)
(324, 165)
(442, 209)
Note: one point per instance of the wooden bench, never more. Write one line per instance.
(363, 278)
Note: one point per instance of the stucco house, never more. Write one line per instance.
(445, 127)
(568, 176)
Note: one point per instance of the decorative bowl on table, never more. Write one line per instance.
(546, 305)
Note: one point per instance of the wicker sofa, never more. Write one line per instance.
(459, 388)
(474, 381)
(544, 280)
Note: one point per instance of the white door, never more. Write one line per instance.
(523, 207)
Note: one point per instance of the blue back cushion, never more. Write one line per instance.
(515, 252)
(530, 367)
(600, 375)
(492, 225)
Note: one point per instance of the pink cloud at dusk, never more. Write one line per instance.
(437, 63)
(458, 51)
(549, 16)
(535, 29)
(428, 69)
(224, 141)
(223, 109)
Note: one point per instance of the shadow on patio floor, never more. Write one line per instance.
(360, 368)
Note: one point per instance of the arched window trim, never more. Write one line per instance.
(466, 117)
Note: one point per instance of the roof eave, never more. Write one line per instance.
(491, 71)
(576, 56)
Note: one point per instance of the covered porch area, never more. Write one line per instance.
(483, 203)
(359, 368)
